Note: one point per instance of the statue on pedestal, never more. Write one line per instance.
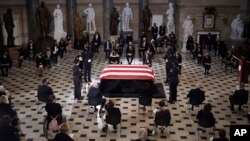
(170, 22)
(127, 15)
(90, 12)
(9, 26)
(188, 27)
(146, 18)
(237, 28)
(43, 18)
(114, 21)
(58, 21)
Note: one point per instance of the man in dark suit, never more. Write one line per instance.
(196, 95)
(31, 50)
(107, 48)
(173, 81)
(77, 78)
(154, 31)
(87, 68)
(162, 30)
(129, 38)
(238, 97)
(143, 47)
(130, 53)
(96, 41)
(113, 115)
(44, 91)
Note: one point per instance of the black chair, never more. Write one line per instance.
(145, 101)
(94, 102)
(205, 123)
(41, 100)
(196, 101)
(241, 101)
(163, 119)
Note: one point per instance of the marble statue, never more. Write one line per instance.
(188, 27)
(237, 28)
(127, 15)
(90, 12)
(58, 23)
(170, 17)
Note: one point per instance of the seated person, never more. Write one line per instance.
(196, 96)
(95, 97)
(113, 115)
(205, 117)
(63, 135)
(54, 110)
(44, 91)
(6, 109)
(130, 53)
(162, 116)
(143, 134)
(222, 136)
(114, 57)
(239, 97)
(7, 131)
(147, 58)
(146, 93)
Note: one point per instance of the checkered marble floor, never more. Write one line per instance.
(23, 82)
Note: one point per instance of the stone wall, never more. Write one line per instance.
(226, 9)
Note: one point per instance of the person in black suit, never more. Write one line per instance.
(96, 41)
(54, 110)
(7, 131)
(61, 47)
(31, 50)
(169, 58)
(173, 81)
(206, 61)
(196, 95)
(5, 63)
(54, 52)
(113, 115)
(205, 117)
(143, 47)
(238, 96)
(129, 38)
(162, 30)
(107, 48)
(87, 68)
(6, 109)
(130, 53)
(77, 78)
(44, 91)
(63, 135)
(95, 97)
(154, 31)
(179, 59)
(199, 53)
(222, 136)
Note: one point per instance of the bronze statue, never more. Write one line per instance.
(79, 27)
(9, 25)
(114, 21)
(43, 18)
(146, 18)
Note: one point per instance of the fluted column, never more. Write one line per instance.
(71, 10)
(32, 6)
(107, 7)
(142, 4)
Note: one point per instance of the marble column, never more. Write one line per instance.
(71, 10)
(142, 4)
(107, 7)
(33, 27)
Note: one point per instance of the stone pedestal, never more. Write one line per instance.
(184, 49)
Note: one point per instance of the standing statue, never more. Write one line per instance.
(188, 28)
(78, 25)
(127, 15)
(58, 21)
(246, 31)
(90, 12)
(43, 18)
(170, 22)
(146, 18)
(114, 21)
(9, 25)
(237, 28)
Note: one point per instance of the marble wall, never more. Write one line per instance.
(226, 11)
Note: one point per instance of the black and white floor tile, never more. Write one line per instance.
(23, 82)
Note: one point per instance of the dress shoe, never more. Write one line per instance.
(171, 102)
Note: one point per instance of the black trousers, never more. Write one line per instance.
(87, 74)
(231, 100)
(5, 70)
(173, 91)
(107, 54)
(77, 89)
(130, 59)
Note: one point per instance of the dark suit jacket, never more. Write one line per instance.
(205, 119)
(77, 74)
(6, 109)
(130, 51)
(94, 96)
(96, 41)
(29, 48)
(62, 137)
(107, 46)
(129, 39)
(240, 96)
(44, 92)
(113, 115)
(8, 133)
(163, 117)
(144, 48)
(54, 109)
(154, 30)
(196, 96)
